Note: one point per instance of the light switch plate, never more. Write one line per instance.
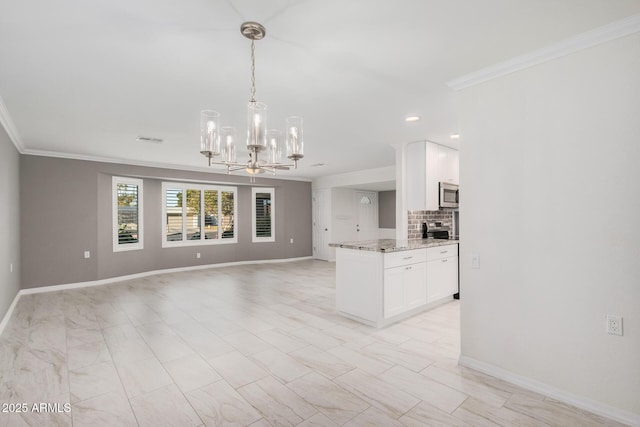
(475, 261)
(87, 254)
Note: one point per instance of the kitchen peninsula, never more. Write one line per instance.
(379, 282)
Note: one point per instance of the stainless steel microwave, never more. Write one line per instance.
(449, 195)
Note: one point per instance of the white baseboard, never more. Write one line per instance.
(593, 406)
(7, 315)
(77, 285)
(53, 288)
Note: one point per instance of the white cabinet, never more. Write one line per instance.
(379, 288)
(448, 161)
(415, 286)
(393, 300)
(415, 176)
(426, 165)
(405, 282)
(359, 283)
(442, 272)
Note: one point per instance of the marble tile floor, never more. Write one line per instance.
(255, 345)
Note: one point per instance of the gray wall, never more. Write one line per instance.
(66, 210)
(10, 220)
(387, 209)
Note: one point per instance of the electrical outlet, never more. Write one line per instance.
(11, 268)
(198, 255)
(87, 254)
(291, 241)
(614, 324)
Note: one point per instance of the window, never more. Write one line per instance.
(127, 214)
(198, 214)
(263, 214)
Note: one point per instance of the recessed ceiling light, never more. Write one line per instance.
(149, 139)
(455, 136)
(410, 119)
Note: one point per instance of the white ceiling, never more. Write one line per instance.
(85, 78)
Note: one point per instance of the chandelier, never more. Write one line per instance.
(219, 142)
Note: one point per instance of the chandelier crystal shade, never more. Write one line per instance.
(218, 143)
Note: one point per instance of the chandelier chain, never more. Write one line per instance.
(253, 71)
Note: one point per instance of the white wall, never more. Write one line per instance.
(342, 206)
(358, 179)
(10, 220)
(550, 166)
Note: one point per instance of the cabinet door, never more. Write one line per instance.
(415, 176)
(426, 165)
(433, 178)
(415, 285)
(448, 165)
(455, 166)
(442, 278)
(393, 301)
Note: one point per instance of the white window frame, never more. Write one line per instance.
(117, 247)
(184, 186)
(254, 228)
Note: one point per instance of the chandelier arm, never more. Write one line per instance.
(266, 168)
(228, 163)
(282, 166)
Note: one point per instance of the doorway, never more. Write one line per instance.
(321, 211)
(366, 215)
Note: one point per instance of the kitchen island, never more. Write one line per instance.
(379, 282)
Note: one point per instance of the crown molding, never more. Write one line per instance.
(88, 158)
(7, 123)
(615, 30)
(10, 127)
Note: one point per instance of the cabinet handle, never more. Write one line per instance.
(443, 252)
(407, 257)
(445, 260)
(408, 268)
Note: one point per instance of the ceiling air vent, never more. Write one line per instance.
(149, 139)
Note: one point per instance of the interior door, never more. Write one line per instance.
(367, 215)
(321, 221)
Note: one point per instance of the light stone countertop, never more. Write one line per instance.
(393, 245)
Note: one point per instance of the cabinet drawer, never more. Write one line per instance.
(400, 258)
(438, 252)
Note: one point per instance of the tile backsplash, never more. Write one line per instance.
(416, 218)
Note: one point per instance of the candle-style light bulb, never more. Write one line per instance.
(257, 126)
(295, 143)
(209, 133)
